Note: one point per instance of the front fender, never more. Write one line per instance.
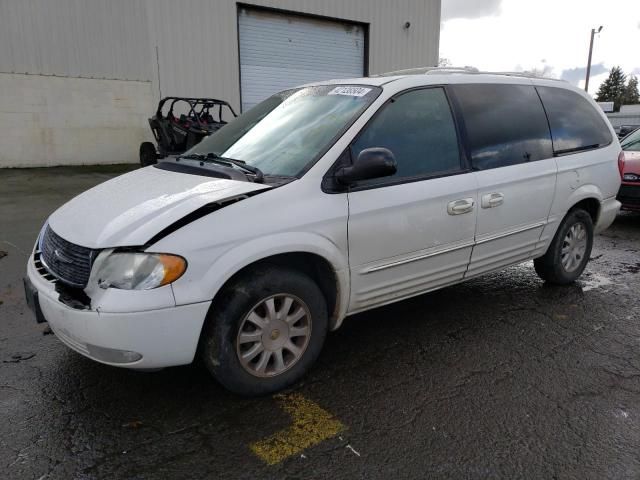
(247, 253)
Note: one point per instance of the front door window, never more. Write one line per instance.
(417, 126)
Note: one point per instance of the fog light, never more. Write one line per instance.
(111, 355)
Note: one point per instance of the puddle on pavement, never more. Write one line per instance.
(595, 280)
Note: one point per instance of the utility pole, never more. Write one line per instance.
(593, 34)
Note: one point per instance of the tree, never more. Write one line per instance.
(613, 88)
(631, 94)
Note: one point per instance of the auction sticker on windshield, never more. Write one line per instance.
(351, 91)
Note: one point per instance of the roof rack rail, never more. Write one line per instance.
(427, 70)
(523, 75)
(464, 70)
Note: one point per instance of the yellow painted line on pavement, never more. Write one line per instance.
(311, 426)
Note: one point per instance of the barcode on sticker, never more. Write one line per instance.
(351, 91)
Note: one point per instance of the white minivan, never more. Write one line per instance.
(320, 202)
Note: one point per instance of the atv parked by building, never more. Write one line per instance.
(186, 122)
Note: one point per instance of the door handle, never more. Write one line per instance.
(458, 207)
(491, 200)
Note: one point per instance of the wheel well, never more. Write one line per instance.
(315, 266)
(591, 206)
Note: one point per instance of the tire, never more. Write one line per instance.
(148, 155)
(228, 321)
(550, 266)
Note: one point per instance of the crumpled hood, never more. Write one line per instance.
(130, 209)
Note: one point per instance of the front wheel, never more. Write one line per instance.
(569, 251)
(265, 330)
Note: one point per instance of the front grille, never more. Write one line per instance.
(41, 269)
(69, 262)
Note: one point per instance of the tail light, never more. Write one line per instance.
(621, 163)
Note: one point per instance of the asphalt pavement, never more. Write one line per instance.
(499, 377)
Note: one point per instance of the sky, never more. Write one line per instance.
(549, 35)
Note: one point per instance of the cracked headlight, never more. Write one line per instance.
(139, 271)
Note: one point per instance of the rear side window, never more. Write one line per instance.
(418, 127)
(575, 123)
(505, 124)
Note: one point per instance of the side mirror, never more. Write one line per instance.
(371, 163)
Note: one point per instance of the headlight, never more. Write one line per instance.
(139, 271)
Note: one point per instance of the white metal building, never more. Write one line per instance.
(628, 115)
(79, 78)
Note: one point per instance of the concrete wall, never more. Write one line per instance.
(47, 121)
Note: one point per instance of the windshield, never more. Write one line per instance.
(631, 143)
(289, 131)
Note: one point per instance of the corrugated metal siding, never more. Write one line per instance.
(618, 119)
(280, 51)
(197, 47)
(208, 63)
(391, 46)
(196, 40)
(75, 38)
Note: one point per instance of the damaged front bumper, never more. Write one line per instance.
(134, 329)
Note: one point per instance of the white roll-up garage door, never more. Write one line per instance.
(280, 51)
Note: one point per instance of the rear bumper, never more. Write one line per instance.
(609, 209)
(629, 196)
(155, 338)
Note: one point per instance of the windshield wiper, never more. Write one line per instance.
(227, 162)
(259, 176)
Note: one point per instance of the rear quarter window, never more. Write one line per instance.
(575, 123)
(505, 124)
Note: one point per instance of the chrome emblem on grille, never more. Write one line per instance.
(59, 257)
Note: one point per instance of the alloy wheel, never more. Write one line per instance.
(574, 247)
(274, 335)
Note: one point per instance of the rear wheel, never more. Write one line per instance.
(148, 155)
(265, 331)
(569, 251)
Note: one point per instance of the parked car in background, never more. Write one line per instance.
(320, 202)
(629, 194)
(625, 130)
